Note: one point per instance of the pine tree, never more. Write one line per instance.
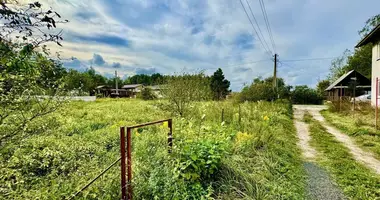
(219, 85)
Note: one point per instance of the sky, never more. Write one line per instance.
(176, 36)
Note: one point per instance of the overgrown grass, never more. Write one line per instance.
(359, 125)
(356, 181)
(255, 157)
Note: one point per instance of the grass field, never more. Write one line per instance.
(360, 125)
(355, 180)
(254, 159)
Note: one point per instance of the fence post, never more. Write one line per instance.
(222, 114)
(129, 163)
(170, 136)
(123, 166)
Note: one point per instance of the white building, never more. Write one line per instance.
(374, 38)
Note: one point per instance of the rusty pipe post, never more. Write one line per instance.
(129, 163)
(170, 136)
(123, 166)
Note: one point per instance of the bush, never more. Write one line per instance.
(305, 95)
(263, 90)
(147, 94)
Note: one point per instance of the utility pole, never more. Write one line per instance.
(275, 73)
(117, 92)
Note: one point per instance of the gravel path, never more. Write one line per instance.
(319, 184)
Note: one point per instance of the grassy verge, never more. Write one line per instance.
(255, 157)
(356, 181)
(359, 126)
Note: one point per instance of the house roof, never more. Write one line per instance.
(345, 79)
(155, 87)
(132, 86)
(370, 37)
(102, 86)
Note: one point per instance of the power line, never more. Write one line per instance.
(308, 59)
(234, 65)
(267, 51)
(264, 11)
(258, 27)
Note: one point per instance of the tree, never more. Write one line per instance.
(304, 95)
(263, 90)
(185, 89)
(28, 24)
(360, 60)
(338, 66)
(219, 85)
(25, 73)
(369, 25)
(147, 94)
(322, 86)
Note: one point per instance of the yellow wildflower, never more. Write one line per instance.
(165, 124)
(266, 118)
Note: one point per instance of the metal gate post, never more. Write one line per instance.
(129, 163)
(123, 166)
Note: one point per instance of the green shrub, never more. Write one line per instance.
(147, 94)
(305, 95)
(200, 160)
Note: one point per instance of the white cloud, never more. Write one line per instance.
(160, 34)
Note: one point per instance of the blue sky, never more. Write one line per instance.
(167, 36)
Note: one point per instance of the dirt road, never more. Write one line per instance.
(319, 184)
(359, 154)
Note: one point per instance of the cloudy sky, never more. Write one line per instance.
(169, 36)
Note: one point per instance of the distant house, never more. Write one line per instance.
(156, 90)
(344, 86)
(103, 90)
(128, 91)
(374, 38)
(133, 89)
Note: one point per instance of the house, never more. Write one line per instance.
(133, 89)
(344, 86)
(125, 91)
(157, 90)
(374, 38)
(103, 90)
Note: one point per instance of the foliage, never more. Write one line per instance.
(83, 82)
(29, 81)
(337, 68)
(82, 139)
(28, 24)
(369, 25)
(25, 77)
(219, 85)
(263, 90)
(154, 79)
(355, 179)
(302, 94)
(200, 160)
(147, 94)
(322, 86)
(359, 60)
(185, 89)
